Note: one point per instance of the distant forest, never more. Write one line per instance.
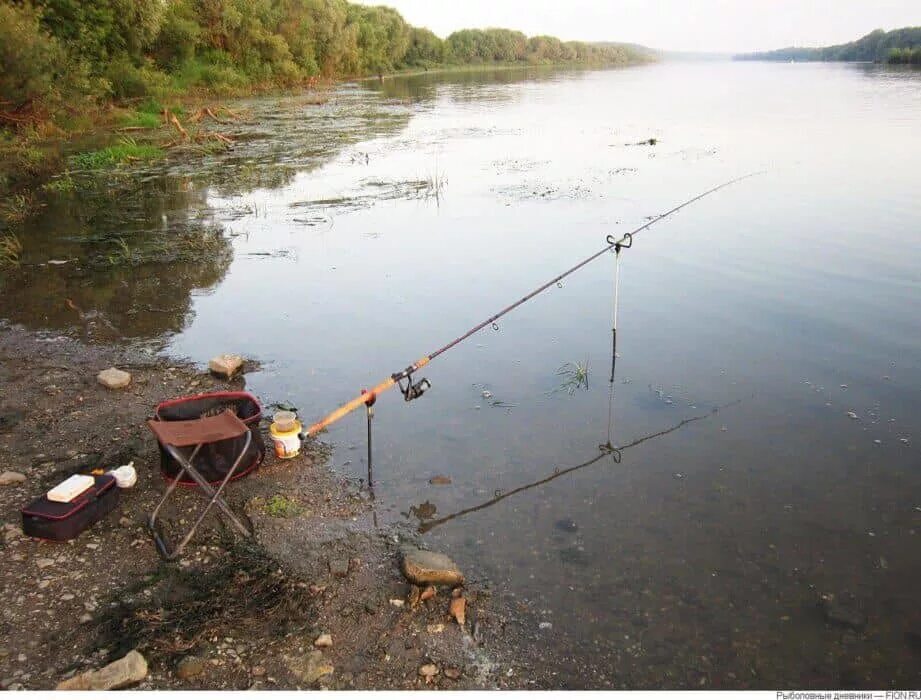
(56, 54)
(898, 46)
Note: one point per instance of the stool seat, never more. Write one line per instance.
(185, 433)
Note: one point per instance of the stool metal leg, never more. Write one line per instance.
(158, 538)
(213, 494)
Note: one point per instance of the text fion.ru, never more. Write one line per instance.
(849, 695)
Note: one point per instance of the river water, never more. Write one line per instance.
(771, 542)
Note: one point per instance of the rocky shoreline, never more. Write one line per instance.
(316, 598)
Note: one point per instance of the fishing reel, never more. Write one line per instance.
(412, 390)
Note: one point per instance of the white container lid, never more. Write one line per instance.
(70, 488)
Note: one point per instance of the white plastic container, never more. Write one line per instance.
(285, 431)
(70, 488)
(125, 476)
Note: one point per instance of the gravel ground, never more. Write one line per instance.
(232, 612)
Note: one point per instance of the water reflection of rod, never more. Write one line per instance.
(604, 451)
(413, 390)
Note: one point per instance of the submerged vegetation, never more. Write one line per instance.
(898, 46)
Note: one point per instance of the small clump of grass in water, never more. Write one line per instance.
(127, 150)
(575, 377)
(61, 185)
(10, 251)
(16, 208)
(435, 186)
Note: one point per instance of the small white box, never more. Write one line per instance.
(70, 488)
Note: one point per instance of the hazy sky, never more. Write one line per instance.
(687, 25)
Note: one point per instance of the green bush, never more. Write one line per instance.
(213, 70)
(31, 61)
(179, 35)
(128, 80)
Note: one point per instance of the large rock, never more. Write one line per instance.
(128, 670)
(7, 478)
(113, 378)
(225, 365)
(422, 567)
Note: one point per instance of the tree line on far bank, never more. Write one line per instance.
(898, 46)
(55, 54)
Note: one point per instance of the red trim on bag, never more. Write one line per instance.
(79, 503)
(214, 395)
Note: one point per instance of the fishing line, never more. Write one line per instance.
(615, 453)
(412, 390)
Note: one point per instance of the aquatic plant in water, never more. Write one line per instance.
(16, 208)
(10, 250)
(575, 377)
(120, 254)
(125, 151)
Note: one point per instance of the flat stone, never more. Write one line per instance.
(225, 365)
(423, 567)
(845, 615)
(190, 667)
(7, 478)
(128, 670)
(113, 378)
(324, 640)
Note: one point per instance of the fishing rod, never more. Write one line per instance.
(413, 390)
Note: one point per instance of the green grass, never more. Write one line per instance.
(141, 120)
(15, 209)
(125, 151)
(279, 506)
(62, 184)
(10, 251)
(121, 253)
